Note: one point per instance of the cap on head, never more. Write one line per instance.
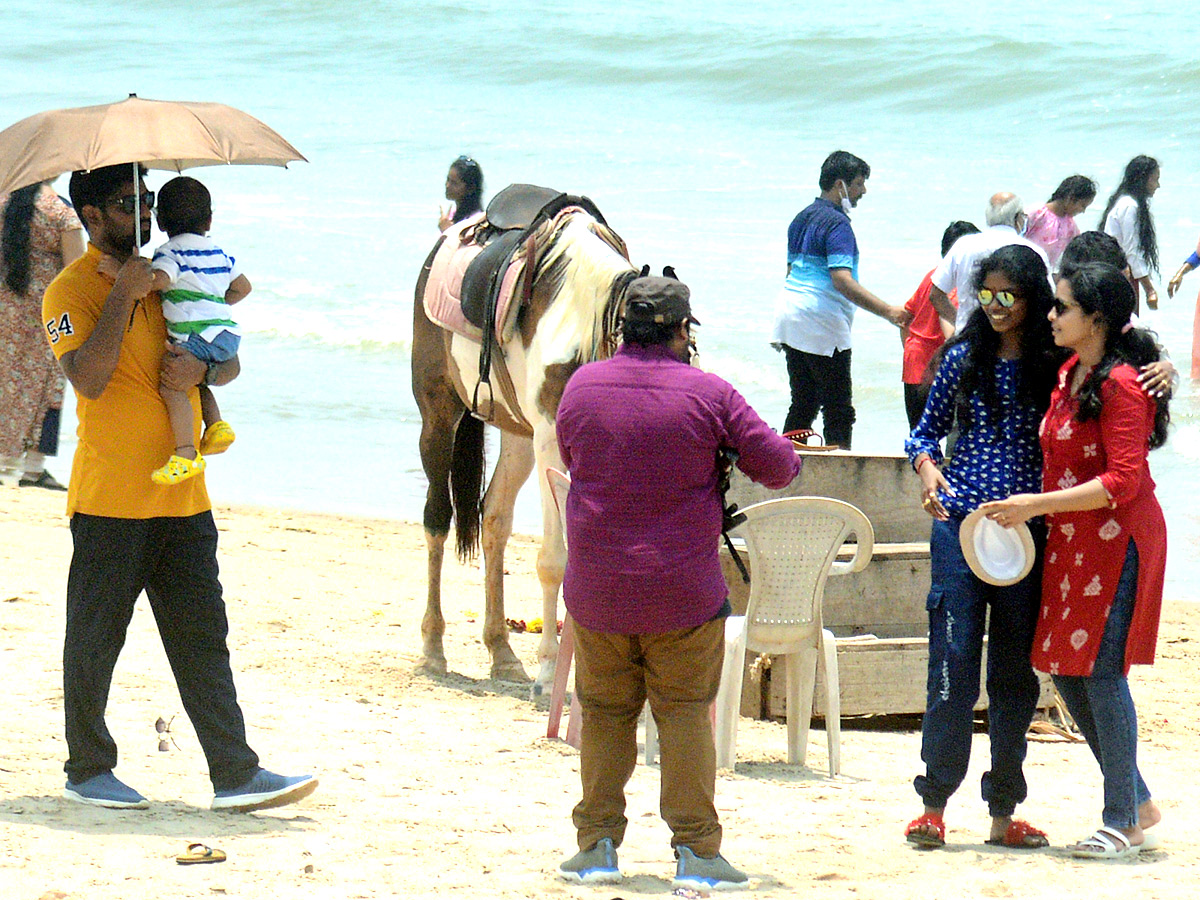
(663, 301)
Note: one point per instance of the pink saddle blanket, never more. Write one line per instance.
(443, 288)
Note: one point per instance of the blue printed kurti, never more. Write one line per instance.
(997, 455)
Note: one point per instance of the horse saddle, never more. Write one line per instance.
(511, 217)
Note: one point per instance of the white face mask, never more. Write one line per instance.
(846, 204)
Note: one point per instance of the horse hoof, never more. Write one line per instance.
(428, 666)
(510, 671)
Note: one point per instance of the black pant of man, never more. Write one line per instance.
(820, 384)
(175, 561)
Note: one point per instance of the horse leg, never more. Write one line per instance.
(441, 411)
(552, 555)
(512, 470)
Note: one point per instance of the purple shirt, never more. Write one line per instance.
(639, 434)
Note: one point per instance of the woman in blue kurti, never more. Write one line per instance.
(995, 379)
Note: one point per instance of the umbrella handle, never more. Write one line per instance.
(137, 211)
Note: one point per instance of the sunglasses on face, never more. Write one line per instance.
(128, 204)
(1061, 306)
(1004, 298)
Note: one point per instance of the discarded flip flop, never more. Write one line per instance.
(1021, 836)
(200, 853)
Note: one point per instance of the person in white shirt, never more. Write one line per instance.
(1006, 220)
(1127, 218)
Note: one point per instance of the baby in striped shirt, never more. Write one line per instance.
(198, 282)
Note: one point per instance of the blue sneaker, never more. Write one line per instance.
(701, 874)
(105, 790)
(597, 865)
(264, 791)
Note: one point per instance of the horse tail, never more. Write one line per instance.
(466, 485)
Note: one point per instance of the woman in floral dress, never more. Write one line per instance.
(41, 235)
(1106, 540)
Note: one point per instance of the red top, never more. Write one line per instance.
(1085, 551)
(924, 333)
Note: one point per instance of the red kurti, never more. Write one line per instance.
(1085, 551)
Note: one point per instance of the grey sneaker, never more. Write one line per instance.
(595, 866)
(105, 790)
(702, 874)
(264, 791)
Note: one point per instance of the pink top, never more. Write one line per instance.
(1051, 232)
(1085, 551)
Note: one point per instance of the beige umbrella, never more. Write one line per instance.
(159, 134)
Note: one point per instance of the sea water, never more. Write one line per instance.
(697, 127)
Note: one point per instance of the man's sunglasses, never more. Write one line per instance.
(1004, 298)
(128, 204)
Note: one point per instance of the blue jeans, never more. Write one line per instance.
(1103, 709)
(958, 605)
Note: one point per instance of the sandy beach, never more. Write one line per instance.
(447, 787)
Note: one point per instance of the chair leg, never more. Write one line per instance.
(833, 701)
(801, 682)
(729, 698)
(562, 671)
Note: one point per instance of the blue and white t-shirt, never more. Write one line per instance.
(200, 273)
(810, 313)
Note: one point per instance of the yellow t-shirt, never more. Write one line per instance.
(124, 434)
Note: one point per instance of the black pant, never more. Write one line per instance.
(175, 561)
(821, 384)
(915, 398)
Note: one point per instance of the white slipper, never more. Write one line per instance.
(1105, 843)
(1151, 841)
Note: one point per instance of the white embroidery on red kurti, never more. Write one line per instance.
(1068, 479)
(1079, 637)
(1066, 612)
(1079, 559)
(1053, 558)
(1068, 528)
(1092, 588)
(1089, 450)
(1065, 587)
(1064, 433)
(1109, 530)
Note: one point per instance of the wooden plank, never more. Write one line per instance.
(886, 599)
(879, 677)
(885, 488)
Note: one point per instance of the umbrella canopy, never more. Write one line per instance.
(160, 134)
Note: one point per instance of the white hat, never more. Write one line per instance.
(998, 555)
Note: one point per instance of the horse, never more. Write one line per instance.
(577, 271)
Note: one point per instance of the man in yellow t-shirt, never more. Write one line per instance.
(129, 533)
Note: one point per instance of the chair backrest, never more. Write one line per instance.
(560, 486)
(793, 543)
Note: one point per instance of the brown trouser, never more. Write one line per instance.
(679, 672)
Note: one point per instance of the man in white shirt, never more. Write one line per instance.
(1006, 221)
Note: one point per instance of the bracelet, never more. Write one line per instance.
(927, 459)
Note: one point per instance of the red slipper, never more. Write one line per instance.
(1022, 836)
(923, 838)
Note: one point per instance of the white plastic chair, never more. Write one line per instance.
(560, 486)
(793, 545)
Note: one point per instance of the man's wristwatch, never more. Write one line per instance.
(210, 373)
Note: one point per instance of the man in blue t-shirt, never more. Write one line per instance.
(815, 309)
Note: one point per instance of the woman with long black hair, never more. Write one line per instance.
(1127, 218)
(464, 190)
(40, 235)
(995, 379)
(1107, 542)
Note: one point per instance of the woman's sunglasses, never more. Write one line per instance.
(1061, 307)
(1004, 298)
